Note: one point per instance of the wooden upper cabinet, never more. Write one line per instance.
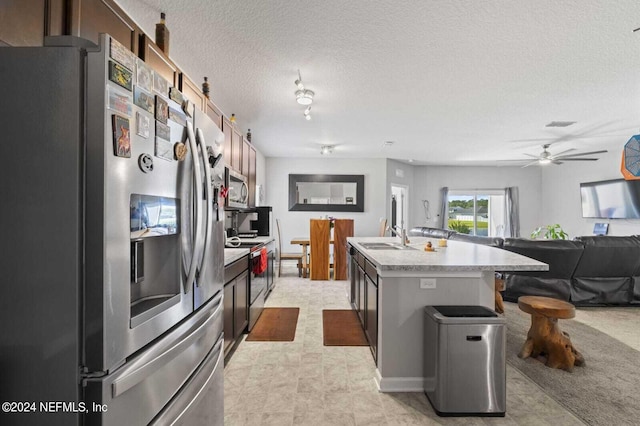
(151, 54)
(214, 113)
(246, 147)
(26, 23)
(227, 129)
(236, 150)
(89, 18)
(192, 91)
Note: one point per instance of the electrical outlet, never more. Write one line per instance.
(428, 283)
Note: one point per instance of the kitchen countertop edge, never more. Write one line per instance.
(458, 256)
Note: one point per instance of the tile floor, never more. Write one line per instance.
(305, 383)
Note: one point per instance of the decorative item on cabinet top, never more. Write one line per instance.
(162, 34)
(206, 88)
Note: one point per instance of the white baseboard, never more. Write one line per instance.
(400, 384)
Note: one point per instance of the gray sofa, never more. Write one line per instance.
(587, 271)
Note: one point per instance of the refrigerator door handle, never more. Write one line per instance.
(208, 196)
(197, 176)
(192, 392)
(151, 362)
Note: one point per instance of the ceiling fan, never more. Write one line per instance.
(545, 157)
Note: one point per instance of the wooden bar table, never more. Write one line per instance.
(304, 242)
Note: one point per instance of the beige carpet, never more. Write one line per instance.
(603, 392)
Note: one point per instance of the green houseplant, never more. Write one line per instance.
(551, 232)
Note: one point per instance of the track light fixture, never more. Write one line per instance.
(303, 96)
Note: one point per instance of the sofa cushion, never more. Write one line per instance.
(477, 239)
(423, 231)
(601, 290)
(562, 256)
(607, 256)
(521, 285)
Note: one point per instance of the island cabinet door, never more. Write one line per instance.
(371, 329)
(360, 293)
(228, 315)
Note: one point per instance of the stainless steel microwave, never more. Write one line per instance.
(238, 195)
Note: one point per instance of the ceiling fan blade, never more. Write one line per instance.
(533, 156)
(556, 162)
(580, 154)
(530, 164)
(562, 152)
(579, 159)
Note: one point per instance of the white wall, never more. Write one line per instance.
(561, 195)
(296, 223)
(261, 174)
(400, 174)
(428, 180)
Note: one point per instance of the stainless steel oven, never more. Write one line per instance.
(238, 195)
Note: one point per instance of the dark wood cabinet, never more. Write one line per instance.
(227, 129)
(364, 297)
(241, 305)
(89, 18)
(228, 316)
(246, 147)
(26, 23)
(361, 295)
(151, 54)
(236, 150)
(371, 329)
(236, 301)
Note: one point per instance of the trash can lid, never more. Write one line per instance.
(465, 311)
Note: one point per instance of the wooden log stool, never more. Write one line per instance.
(545, 337)
(499, 286)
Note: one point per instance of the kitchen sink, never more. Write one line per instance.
(385, 246)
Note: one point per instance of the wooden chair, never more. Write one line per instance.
(319, 239)
(383, 228)
(286, 256)
(342, 229)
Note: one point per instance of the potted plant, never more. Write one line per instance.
(551, 232)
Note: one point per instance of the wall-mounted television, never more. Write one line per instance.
(611, 199)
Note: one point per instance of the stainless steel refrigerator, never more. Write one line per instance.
(112, 248)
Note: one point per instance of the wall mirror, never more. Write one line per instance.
(326, 193)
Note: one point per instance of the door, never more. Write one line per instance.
(241, 305)
(372, 314)
(210, 273)
(399, 205)
(150, 382)
(137, 216)
(228, 314)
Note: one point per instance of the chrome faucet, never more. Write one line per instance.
(399, 232)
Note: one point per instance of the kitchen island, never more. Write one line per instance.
(400, 281)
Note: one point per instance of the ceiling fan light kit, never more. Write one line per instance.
(545, 157)
(303, 96)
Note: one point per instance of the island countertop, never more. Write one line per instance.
(458, 256)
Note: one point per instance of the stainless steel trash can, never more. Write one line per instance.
(464, 361)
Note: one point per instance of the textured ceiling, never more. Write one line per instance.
(455, 82)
